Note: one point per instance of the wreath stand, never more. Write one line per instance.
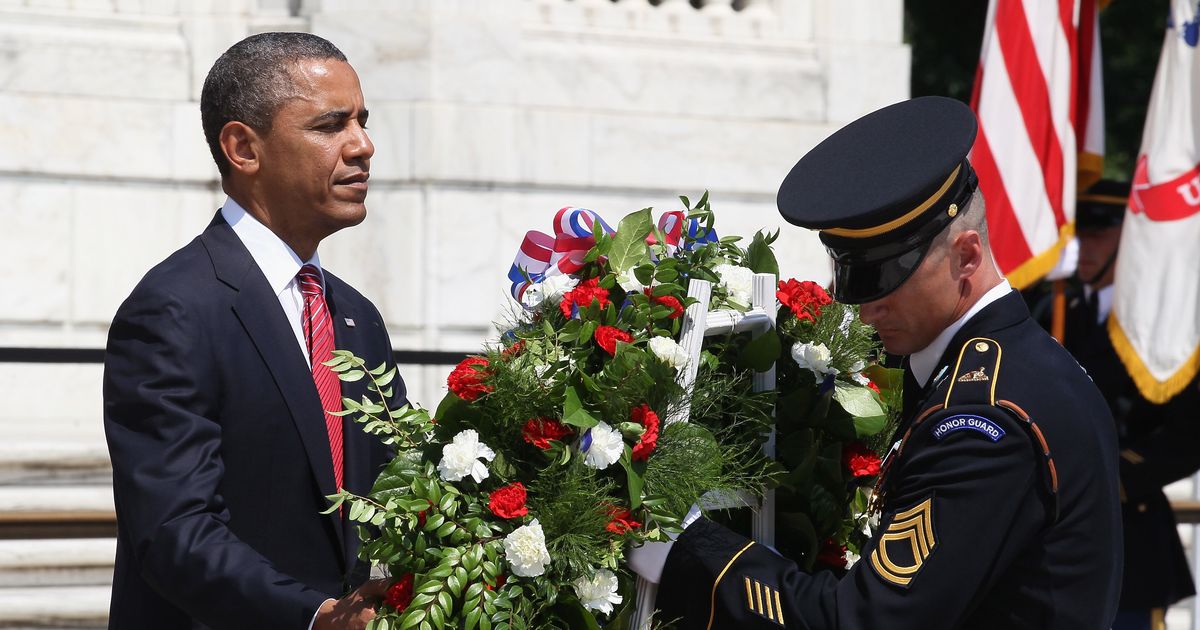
(699, 323)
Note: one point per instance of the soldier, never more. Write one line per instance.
(1159, 443)
(998, 503)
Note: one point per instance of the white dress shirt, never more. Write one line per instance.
(1104, 300)
(278, 263)
(925, 360)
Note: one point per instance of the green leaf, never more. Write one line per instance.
(866, 426)
(759, 257)
(802, 536)
(635, 475)
(629, 245)
(352, 376)
(857, 400)
(761, 352)
(573, 412)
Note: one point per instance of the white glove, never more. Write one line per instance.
(649, 559)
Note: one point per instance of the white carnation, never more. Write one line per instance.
(629, 281)
(860, 378)
(605, 447)
(814, 356)
(460, 458)
(550, 288)
(851, 558)
(670, 352)
(525, 550)
(598, 593)
(737, 281)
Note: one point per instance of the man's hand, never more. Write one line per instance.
(353, 611)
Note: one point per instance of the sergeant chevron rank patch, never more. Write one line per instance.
(907, 543)
(763, 600)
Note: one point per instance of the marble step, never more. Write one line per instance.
(56, 563)
(58, 607)
(32, 460)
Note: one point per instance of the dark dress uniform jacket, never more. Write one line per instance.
(1160, 444)
(220, 453)
(980, 527)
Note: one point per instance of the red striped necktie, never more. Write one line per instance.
(318, 333)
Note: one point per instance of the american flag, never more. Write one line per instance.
(1038, 95)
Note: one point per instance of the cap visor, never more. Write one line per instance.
(859, 282)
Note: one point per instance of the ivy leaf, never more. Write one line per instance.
(629, 245)
(759, 257)
(573, 412)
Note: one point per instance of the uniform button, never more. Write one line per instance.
(1141, 507)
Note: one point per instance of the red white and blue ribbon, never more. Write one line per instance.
(542, 255)
(671, 225)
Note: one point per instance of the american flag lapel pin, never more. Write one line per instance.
(350, 322)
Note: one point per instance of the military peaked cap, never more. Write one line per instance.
(1101, 206)
(881, 188)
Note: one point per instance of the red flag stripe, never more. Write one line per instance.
(1033, 97)
(1003, 226)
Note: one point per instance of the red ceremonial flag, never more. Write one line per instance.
(1155, 324)
(1038, 97)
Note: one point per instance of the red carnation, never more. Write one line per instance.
(860, 460)
(582, 296)
(508, 501)
(646, 417)
(872, 386)
(621, 522)
(832, 554)
(539, 432)
(466, 380)
(608, 336)
(668, 301)
(804, 299)
(400, 593)
(514, 350)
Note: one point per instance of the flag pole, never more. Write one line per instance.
(1059, 313)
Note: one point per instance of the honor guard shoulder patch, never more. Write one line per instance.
(763, 600)
(967, 422)
(906, 545)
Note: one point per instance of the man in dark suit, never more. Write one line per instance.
(1160, 443)
(216, 403)
(998, 504)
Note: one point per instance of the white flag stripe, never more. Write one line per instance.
(1094, 134)
(1020, 170)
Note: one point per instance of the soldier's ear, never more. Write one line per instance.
(967, 252)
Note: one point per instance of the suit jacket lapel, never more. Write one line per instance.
(257, 308)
